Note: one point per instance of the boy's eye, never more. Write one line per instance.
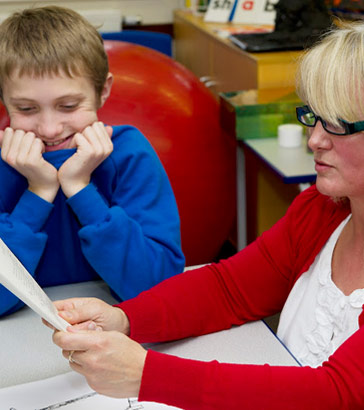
(26, 109)
(68, 107)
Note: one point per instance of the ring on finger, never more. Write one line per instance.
(70, 358)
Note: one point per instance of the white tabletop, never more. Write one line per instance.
(28, 354)
(293, 165)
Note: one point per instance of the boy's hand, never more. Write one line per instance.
(93, 146)
(23, 151)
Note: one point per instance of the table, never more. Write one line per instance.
(269, 177)
(28, 354)
(291, 165)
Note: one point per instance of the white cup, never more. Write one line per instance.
(289, 135)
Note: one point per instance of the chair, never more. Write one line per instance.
(158, 41)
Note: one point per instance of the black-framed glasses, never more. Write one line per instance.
(307, 117)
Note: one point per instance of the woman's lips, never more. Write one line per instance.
(321, 166)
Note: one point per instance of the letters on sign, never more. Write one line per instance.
(255, 12)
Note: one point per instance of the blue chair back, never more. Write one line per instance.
(158, 41)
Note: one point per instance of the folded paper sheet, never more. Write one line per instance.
(18, 280)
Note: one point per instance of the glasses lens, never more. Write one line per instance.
(334, 129)
(308, 118)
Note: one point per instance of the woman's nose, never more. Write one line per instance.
(319, 138)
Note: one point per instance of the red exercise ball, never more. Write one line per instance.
(180, 117)
(4, 119)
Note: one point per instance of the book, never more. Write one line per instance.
(226, 32)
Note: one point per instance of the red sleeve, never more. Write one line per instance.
(251, 285)
(196, 385)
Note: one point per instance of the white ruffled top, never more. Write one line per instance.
(317, 316)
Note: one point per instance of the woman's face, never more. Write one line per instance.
(339, 162)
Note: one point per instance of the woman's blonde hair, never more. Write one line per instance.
(47, 40)
(330, 77)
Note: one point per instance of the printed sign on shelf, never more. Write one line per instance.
(255, 12)
(219, 11)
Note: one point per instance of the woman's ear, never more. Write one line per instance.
(106, 89)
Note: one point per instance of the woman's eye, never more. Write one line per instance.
(337, 129)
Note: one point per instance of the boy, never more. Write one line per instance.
(78, 200)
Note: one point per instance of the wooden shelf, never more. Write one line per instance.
(227, 67)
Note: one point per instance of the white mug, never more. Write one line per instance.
(289, 135)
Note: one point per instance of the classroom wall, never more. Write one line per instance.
(108, 13)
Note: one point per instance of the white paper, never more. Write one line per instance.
(68, 391)
(18, 280)
(219, 11)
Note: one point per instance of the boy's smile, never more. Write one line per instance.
(54, 107)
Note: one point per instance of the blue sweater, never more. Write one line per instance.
(122, 228)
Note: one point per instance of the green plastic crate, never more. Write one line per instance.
(258, 120)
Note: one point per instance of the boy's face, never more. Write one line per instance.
(53, 107)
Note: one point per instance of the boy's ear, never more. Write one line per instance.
(106, 89)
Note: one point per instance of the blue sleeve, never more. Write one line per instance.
(134, 242)
(20, 232)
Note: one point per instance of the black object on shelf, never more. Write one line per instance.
(298, 24)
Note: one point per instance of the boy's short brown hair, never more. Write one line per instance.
(47, 40)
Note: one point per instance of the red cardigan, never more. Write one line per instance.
(252, 284)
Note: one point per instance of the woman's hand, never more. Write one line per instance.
(111, 362)
(23, 151)
(94, 145)
(92, 314)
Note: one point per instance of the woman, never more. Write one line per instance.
(310, 264)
